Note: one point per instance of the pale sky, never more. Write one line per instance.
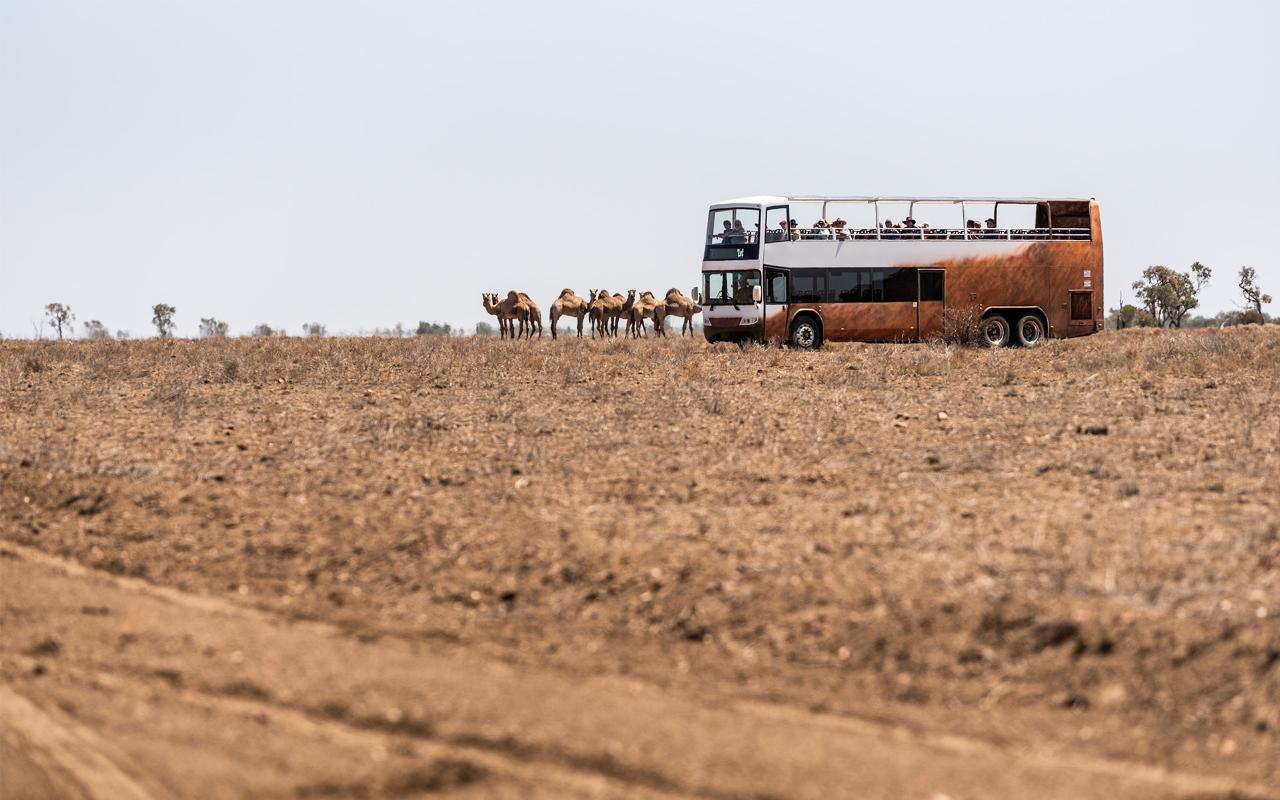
(362, 164)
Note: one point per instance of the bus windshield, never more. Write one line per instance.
(719, 288)
(733, 226)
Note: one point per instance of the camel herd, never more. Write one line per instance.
(603, 310)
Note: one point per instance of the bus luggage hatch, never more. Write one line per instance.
(933, 292)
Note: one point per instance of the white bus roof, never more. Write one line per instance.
(764, 200)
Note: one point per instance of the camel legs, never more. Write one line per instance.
(580, 315)
(554, 320)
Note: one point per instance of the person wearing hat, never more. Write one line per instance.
(794, 228)
(991, 229)
(838, 226)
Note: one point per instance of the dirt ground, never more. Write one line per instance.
(400, 567)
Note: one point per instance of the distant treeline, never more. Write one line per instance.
(60, 320)
(1166, 298)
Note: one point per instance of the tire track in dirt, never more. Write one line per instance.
(69, 755)
(561, 781)
(585, 771)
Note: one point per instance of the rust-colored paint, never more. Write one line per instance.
(864, 322)
(931, 318)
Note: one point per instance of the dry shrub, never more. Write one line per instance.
(962, 324)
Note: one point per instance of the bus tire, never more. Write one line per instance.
(1030, 330)
(806, 333)
(995, 331)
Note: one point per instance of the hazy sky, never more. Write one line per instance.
(361, 164)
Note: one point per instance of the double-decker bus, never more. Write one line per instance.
(1032, 269)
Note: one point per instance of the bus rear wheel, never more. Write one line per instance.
(1030, 331)
(806, 334)
(995, 331)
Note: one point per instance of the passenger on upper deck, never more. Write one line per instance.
(990, 232)
(838, 227)
(740, 235)
(724, 235)
(909, 228)
(794, 228)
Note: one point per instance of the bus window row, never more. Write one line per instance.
(844, 285)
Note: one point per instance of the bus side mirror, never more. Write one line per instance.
(696, 295)
(757, 294)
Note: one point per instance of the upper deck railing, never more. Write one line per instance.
(925, 233)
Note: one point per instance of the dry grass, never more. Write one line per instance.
(749, 521)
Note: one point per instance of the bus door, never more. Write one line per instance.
(777, 291)
(932, 305)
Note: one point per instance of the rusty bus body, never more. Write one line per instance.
(885, 284)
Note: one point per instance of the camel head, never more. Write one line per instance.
(592, 294)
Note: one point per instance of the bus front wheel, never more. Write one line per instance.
(806, 334)
(1030, 331)
(995, 331)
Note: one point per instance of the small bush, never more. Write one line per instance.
(962, 325)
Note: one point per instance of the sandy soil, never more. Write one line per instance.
(398, 567)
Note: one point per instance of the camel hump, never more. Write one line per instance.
(566, 292)
(674, 291)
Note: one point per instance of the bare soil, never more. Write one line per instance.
(381, 567)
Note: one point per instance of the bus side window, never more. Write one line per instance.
(842, 286)
(775, 225)
(932, 285)
(808, 286)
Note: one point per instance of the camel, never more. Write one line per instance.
(568, 304)
(605, 309)
(506, 315)
(532, 315)
(621, 305)
(598, 311)
(679, 305)
(509, 312)
(642, 308)
(518, 307)
(491, 305)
